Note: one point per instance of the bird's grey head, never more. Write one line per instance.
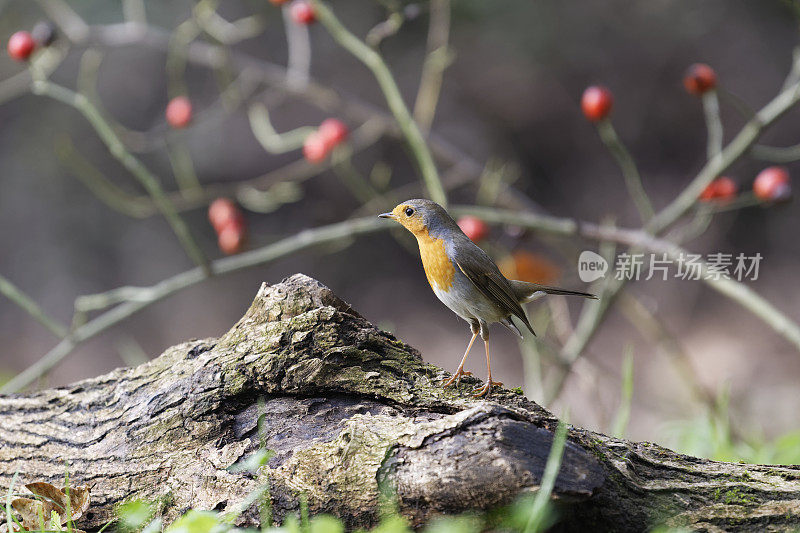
(420, 215)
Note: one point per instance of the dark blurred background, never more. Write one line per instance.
(512, 93)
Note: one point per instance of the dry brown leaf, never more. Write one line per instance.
(78, 501)
(50, 507)
(51, 493)
(32, 511)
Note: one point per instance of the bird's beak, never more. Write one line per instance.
(387, 215)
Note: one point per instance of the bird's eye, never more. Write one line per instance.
(409, 211)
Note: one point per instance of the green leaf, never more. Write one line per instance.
(393, 524)
(326, 523)
(197, 522)
(133, 515)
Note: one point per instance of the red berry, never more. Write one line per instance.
(179, 112)
(278, 2)
(699, 78)
(302, 12)
(315, 148)
(21, 46)
(722, 188)
(223, 212)
(772, 184)
(726, 188)
(473, 227)
(333, 132)
(596, 103)
(231, 239)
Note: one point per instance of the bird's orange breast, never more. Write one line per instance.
(438, 268)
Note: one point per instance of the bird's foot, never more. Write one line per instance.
(456, 378)
(486, 389)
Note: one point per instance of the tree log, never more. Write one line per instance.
(350, 412)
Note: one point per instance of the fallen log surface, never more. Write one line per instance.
(351, 411)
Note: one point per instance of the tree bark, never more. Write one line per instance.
(350, 412)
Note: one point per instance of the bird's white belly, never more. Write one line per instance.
(469, 305)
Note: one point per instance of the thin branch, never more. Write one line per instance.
(68, 21)
(271, 198)
(134, 166)
(713, 123)
(104, 190)
(272, 141)
(633, 181)
(437, 58)
(44, 64)
(343, 166)
(776, 154)
(793, 77)
(298, 42)
(177, 55)
(13, 293)
(134, 11)
(391, 92)
(385, 29)
(224, 31)
(183, 169)
(94, 302)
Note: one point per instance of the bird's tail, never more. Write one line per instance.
(527, 291)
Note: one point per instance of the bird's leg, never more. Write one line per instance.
(486, 389)
(456, 378)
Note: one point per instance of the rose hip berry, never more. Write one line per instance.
(315, 149)
(229, 223)
(722, 188)
(21, 45)
(223, 212)
(596, 103)
(231, 239)
(699, 78)
(773, 184)
(333, 132)
(473, 227)
(179, 112)
(302, 12)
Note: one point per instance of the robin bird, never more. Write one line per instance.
(466, 279)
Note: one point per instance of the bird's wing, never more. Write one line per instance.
(485, 275)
